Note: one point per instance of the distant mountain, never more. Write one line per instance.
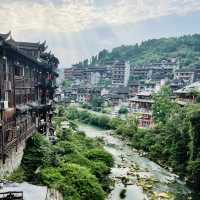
(185, 48)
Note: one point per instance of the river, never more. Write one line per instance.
(129, 163)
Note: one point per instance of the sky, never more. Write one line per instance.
(77, 29)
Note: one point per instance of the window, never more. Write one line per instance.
(17, 71)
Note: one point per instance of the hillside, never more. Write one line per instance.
(185, 48)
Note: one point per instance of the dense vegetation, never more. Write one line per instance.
(123, 110)
(185, 48)
(76, 166)
(174, 142)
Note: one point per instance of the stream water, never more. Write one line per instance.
(125, 158)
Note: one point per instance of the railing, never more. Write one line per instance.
(30, 131)
(140, 110)
(8, 138)
(11, 137)
(18, 195)
(186, 100)
(21, 82)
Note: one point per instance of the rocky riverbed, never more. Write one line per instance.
(135, 176)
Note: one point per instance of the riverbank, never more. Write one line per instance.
(138, 176)
(164, 146)
(77, 166)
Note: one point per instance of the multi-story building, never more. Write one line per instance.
(95, 74)
(68, 73)
(27, 85)
(141, 105)
(90, 75)
(139, 73)
(133, 88)
(78, 72)
(188, 94)
(155, 71)
(186, 75)
(120, 73)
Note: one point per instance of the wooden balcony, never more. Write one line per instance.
(11, 137)
(8, 136)
(23, 83)
(26, 134)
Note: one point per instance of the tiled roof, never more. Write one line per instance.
(189, 88)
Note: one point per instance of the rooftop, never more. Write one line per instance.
(189, 88)
(135, 99)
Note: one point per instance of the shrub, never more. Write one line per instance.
(82, 181)
(123, 110)
(38, 153)
(100, 155)
(17, 176)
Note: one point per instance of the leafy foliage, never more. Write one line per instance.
(186, 48)
(97, 102)
(85, 184)
(76, 166)
(174, 141)
(37, 154)
(163, 105)
(123, 110)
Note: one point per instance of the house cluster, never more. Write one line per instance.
(117, 72)
(27, 85)
(132, 84)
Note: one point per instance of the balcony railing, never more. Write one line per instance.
(21, 82)
(11, 137)
(140, 110)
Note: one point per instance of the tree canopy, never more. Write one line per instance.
(185, 48)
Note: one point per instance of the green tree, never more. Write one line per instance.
(123, 110)
(38, 153)
(85, 185)
(163, 105)
(194, 173)
(66, 84)
(97, 101)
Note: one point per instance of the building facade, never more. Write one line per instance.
(120, 73)
(68, 73)
(27, 86)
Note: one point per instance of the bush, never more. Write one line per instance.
(100, 155)
(38, 153)
(194, 173)
(85, 184)
(123, 194)
(103, 121)
(115, 123)
(123, 110)
(17, 176)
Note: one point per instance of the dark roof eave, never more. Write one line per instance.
(9, 46)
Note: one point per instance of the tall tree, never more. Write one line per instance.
(163, 105)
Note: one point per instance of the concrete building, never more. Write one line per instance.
(120, 73)
(68, 73)
(185, 75)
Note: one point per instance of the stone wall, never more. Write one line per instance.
(13, 160)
